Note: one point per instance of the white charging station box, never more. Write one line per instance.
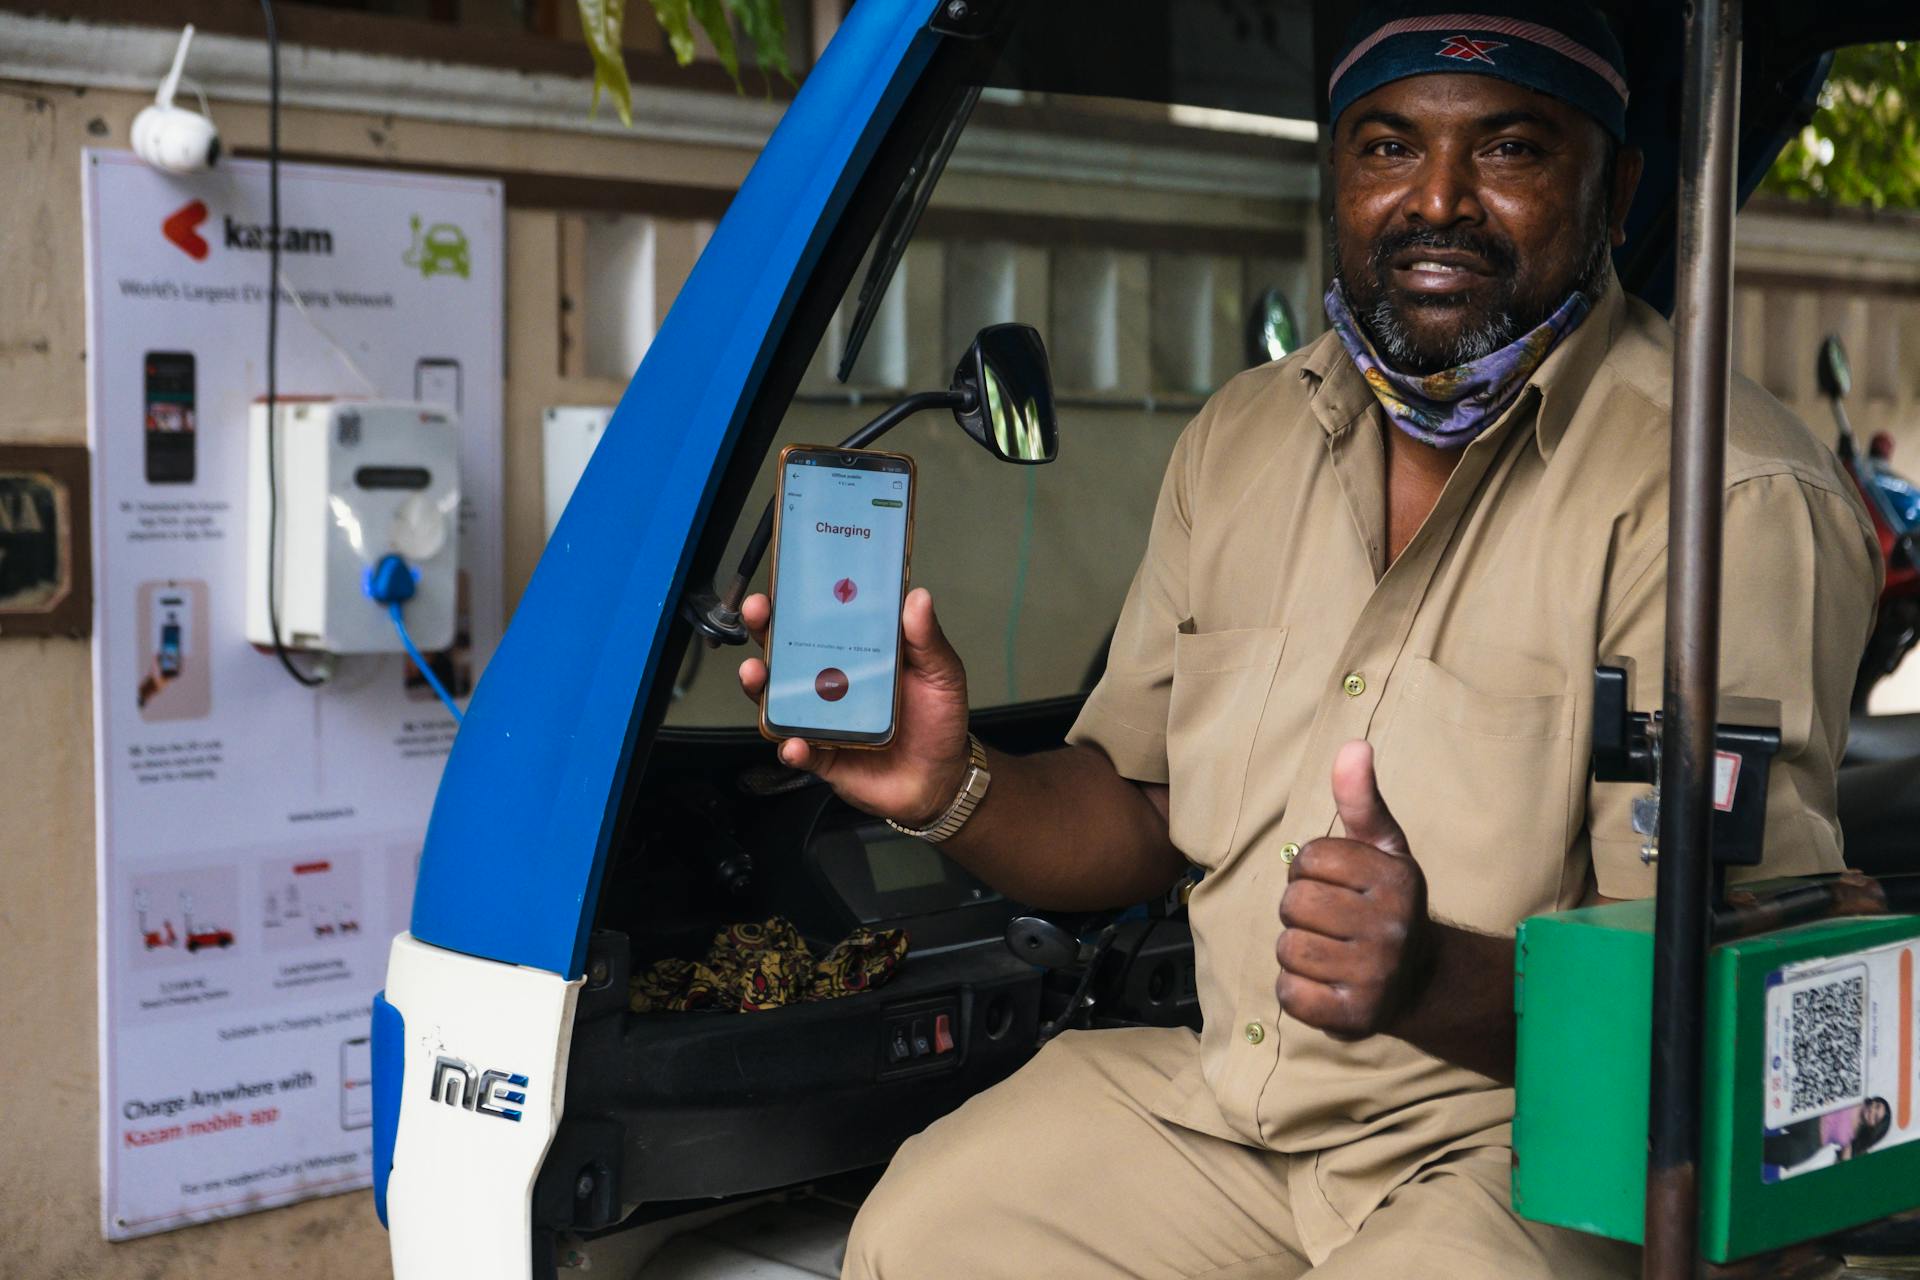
(357, 480)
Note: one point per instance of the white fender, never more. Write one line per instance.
(480, 1097)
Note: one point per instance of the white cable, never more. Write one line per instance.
(199, 93)
(339, 351)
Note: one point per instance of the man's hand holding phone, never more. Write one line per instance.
(915, 776)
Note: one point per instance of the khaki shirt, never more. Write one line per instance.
(1264, 629)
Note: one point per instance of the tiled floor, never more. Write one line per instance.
(804, 1240)
(790, 1240)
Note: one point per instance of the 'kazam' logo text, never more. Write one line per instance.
(490, 1093)
(253, 236)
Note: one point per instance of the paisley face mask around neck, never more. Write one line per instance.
(1450, 409)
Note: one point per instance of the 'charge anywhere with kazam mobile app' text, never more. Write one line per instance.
(839, 576)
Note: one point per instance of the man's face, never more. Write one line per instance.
(1466, 210)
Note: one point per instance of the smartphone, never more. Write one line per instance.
(436, 380)
(173, 677)
(170, 640)
(842, 540)
(170, 417)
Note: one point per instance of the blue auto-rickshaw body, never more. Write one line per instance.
(528, 804)
(527, 807)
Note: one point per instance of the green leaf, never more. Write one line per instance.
(764, 23)
(712, 15)
(1863, 146)
(603, 22)
(676, 19)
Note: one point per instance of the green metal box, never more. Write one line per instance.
(1583, 992)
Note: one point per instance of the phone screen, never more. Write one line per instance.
(170, 647)
(173, 615)
(839, 577)
(170, 417)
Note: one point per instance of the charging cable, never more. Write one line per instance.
(311, 681)
(392, 582)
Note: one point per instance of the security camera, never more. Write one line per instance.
(177, 139)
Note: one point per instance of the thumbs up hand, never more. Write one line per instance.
(1357, 944)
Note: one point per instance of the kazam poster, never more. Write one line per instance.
(257, 839)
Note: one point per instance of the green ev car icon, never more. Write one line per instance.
(440, 250)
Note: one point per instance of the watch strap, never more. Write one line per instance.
(972, 791)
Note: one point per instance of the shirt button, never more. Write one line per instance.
(1288, 852)
(1355, 684)
(1255, 1033)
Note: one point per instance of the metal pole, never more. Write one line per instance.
(1709, 134)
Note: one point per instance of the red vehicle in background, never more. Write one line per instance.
(1894, 503)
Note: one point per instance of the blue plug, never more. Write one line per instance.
(390, 581)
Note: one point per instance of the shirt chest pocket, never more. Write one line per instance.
(1220, 685)
(1482, 783)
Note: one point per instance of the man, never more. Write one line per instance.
(1352, 683)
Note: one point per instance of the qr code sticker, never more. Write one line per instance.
(1825, 1044)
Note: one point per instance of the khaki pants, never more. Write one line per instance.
(1063, 1172)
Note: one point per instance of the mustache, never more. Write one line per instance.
(1495, 251)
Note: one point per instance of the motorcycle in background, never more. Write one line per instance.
(1893, 501)
(1878, 786)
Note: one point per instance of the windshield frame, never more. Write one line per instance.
(890, 204)
(944, 94)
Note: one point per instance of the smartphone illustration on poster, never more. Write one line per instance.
(436, 380)
(171, 608)
(175, 682)
(356, 1083)
(170, 417)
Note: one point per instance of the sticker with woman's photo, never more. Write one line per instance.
(1840, 1048)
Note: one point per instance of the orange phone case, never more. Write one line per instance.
(773, 593)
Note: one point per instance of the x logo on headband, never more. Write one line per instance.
(1467, 49)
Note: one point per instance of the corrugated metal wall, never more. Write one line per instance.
(1802, 273)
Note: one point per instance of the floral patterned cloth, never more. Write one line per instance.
(1449, 409)
(750, 967)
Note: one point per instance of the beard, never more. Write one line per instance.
(1492, 317)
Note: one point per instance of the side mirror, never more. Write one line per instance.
(1006, 387)
(1272, 331)
(1836, 377)
(1002, 396)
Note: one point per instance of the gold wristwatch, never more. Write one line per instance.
(972, 792)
